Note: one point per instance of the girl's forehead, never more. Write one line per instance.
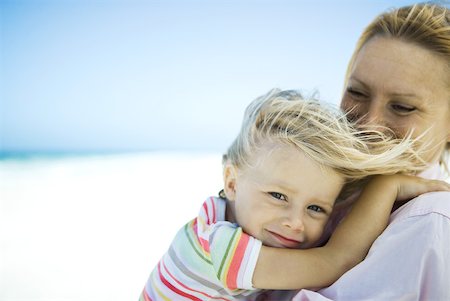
(288, 170)
(272, 151)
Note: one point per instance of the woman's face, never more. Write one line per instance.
(404, 87)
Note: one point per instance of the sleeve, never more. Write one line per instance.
(409, 261)
(233, 255)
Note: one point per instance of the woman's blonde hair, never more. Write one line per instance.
(324, 134)
(424, 24)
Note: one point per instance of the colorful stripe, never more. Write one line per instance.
(209, 259)
(224, 258)
(196, 247)
(190, 276)
(236, 261)
(205, 207)
(173, 288)
(190, 289)
(144, 296)
(155, 288)
(213, 209)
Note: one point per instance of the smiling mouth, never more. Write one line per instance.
(284, 241)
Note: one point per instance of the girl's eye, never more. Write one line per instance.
(316, 208)
(278, 196)
(402, 108)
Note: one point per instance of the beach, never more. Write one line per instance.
(92, 227)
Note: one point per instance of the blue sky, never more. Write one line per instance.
(162, 75)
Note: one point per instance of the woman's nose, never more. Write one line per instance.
(374, 115)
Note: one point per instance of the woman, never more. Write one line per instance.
(399, 77)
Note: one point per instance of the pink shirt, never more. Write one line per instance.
(410, 260)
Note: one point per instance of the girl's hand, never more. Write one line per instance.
(408, 187)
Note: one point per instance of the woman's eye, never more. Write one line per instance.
(402, 108)
(355, 93)
(315, 208)
(278, 196)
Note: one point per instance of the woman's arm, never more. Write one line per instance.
(319, 267)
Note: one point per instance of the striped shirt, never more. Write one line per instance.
(209, 259)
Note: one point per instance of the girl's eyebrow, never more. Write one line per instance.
(283, 185)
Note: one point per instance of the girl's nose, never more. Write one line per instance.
(294, 221)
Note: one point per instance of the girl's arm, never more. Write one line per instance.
(279, 268)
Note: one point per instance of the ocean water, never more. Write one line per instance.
(92, 227)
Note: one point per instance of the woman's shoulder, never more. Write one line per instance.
(428, 203)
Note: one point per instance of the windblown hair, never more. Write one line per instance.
(425, 24)
(324, 134)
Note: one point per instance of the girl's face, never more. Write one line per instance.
(404, 87)
(284, 199)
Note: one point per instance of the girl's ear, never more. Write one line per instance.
(229, 181)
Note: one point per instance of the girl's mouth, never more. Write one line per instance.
(285, 242)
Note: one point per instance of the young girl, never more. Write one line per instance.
(282, 175)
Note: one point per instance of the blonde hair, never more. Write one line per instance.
(423, 24)
(324, 134)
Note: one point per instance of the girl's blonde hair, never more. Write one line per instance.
(322, 133)
(423, 24)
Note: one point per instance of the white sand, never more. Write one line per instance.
(92, 228)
